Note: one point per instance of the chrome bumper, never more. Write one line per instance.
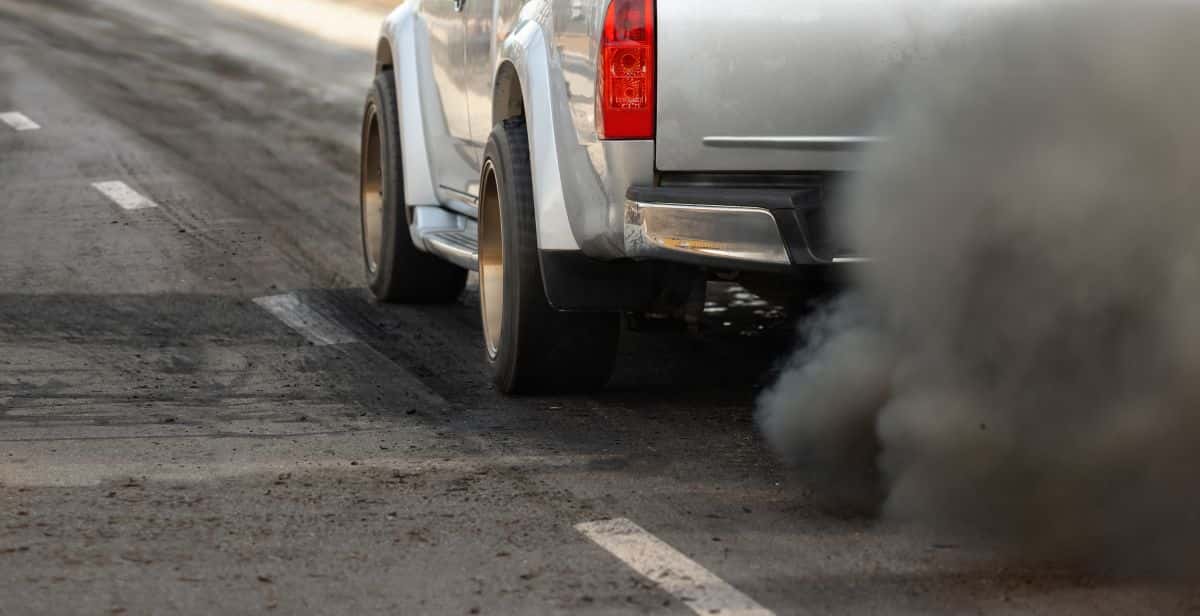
(709, 235)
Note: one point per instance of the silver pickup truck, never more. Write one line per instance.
(597, 157)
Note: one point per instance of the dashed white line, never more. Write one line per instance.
(697, 587)
(294, 313)
(18, 121)
(123, 195)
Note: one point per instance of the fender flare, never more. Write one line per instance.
(527, 49)
(399, 31)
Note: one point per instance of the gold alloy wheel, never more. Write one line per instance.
(491, 259)
(371, 196)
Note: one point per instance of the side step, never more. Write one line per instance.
(457, 247)
(449, 235)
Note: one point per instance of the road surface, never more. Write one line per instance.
(201, 411)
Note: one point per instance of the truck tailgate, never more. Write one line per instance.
(783, 85)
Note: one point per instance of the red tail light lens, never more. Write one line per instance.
(625, 86)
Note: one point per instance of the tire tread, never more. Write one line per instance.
(405, 274)
(555, 351)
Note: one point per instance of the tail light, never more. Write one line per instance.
(625, 85)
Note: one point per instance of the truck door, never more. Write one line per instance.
(455, 169)
(480, 28)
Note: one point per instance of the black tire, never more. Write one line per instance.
(540, 349)
(399, 272)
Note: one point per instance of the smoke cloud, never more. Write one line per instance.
(1021, 360)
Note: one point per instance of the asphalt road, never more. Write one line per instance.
(168, 445)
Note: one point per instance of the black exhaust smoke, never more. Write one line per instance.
(1022, 358)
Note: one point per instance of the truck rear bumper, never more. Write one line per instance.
(738, 229)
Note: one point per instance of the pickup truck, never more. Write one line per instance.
(593, 158)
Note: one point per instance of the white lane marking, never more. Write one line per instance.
(18, 121)
(124, 196)
(697, 587)
(318, 328)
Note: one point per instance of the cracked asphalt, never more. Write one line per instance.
(169, 446)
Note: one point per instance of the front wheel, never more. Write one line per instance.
(532, 347)
(396, 270)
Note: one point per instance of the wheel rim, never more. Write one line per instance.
(491, 260)
(372, 197)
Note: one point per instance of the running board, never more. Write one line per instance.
(457, 247)
(449, 235)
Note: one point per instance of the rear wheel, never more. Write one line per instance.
(531, 347)
(396, 270)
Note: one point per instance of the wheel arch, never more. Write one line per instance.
(397, 51)
(508, 99)
(384, 56)
(524, 85)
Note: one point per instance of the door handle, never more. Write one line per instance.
(459, 5)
